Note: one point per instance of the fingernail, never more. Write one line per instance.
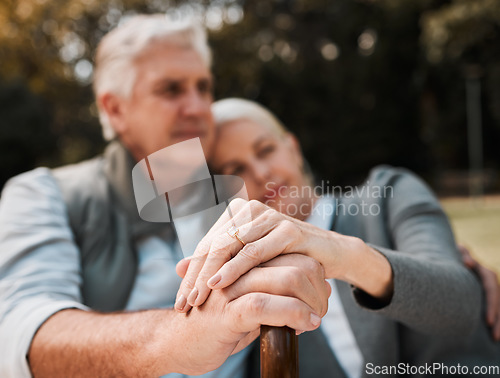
(180, 303)
(214, 280)
(192, 296)
(315, 320)
(298, 332)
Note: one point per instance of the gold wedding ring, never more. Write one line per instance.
(233, 232)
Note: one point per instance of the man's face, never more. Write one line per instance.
(170, 101)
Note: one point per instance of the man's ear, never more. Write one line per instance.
(113, 106)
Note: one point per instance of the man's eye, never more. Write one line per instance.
(205, 87)
(171, 90)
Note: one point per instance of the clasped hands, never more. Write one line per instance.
(268, 256)
(264, 235)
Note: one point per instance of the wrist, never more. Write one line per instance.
(158, 347)
(367, 269)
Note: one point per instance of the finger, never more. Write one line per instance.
(311, 268)
(288, 281)
(250, 256)
(232, 208)
(248, 312)
(492, 290)
(188, 291)
(329, 288)
(247, 340)
(187, 285)
(466, 257)
(496, 330)
(182, 267)
(225, 246)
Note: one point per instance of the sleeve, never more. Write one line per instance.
(39, 265)
(434, 292)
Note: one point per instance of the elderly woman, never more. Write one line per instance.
(400, 292)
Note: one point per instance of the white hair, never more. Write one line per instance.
(235, 109)
(114, 63)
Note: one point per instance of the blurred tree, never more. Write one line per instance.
(460, 39)
(24, 130)
(340, 74)
(360, 82)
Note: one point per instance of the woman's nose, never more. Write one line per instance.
(261, 172)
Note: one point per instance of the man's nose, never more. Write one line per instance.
(195, 103)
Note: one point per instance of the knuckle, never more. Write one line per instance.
(324, 308)
(256, 304)
(254, 203)
(203, 246)
(318, 269)
(220, 254)
(236, 205)
(188, 283)
(237, 202)
(299, 312)
(313, 268)
(269, 214)
(292, 277)
(288, 227)
(219, 247)
(252, 252)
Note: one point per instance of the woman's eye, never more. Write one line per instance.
(266, 150)
(237, 171)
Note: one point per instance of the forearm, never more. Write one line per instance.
(426, 290)
(80, 343)
(367, 269)
(351, 260)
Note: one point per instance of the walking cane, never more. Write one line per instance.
(279, 352)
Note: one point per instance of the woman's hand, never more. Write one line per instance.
(262, 234)
(220, 259)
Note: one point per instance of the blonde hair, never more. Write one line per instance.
(235, 109)
(114, 63)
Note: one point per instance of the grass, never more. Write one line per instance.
(476, 223)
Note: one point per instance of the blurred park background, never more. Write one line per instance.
(413, 83)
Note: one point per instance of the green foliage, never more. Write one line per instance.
(24, 129)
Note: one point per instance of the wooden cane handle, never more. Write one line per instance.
(279, 350)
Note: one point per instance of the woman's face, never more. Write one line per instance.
(270, 164)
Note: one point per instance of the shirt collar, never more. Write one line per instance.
(323, 213)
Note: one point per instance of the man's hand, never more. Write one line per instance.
(489, 280)
(286, 291)
(289, 290)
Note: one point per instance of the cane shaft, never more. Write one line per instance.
(278, 352)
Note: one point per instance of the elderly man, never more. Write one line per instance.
(74, 252)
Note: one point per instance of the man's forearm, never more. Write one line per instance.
(79, 343)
